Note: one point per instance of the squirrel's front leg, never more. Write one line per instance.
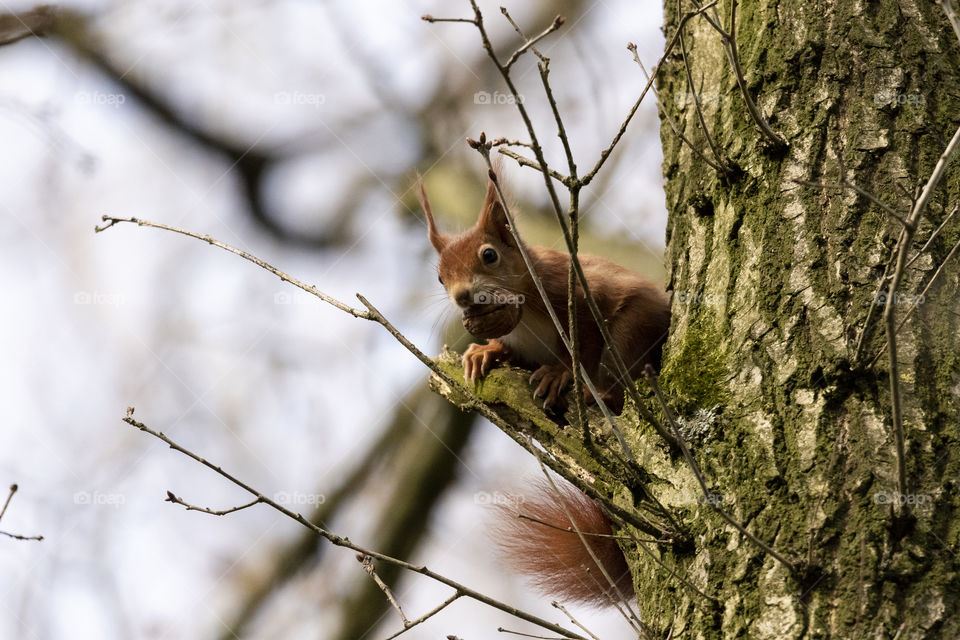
(479, 359)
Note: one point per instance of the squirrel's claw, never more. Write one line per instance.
(479, 359)
(553, 380)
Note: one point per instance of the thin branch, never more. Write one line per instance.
(933, 236)
(569, 615)
(13, 489)
(919, 298)
(636, 105)
(696, 102)
(663, 112)
(527, 162)
(177, 500)
(16, 536)
(440, 607)
(367, 563)
(844, 183)
(951, 12)
(429, 18)
(357, 313)
(671, 419)
(889, 313)
(345, 542)
(557, 23)
(730, 46)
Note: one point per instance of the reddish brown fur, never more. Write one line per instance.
(554, 557)
(637, 312)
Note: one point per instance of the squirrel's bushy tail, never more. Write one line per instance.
(544, 546)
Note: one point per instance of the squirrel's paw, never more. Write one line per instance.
(479, 359)
(553, 379)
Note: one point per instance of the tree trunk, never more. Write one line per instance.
(772, 286)
(776, 319)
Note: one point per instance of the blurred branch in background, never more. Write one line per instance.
(36, 22)
(422, 463)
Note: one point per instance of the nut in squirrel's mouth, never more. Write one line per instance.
(491, 321)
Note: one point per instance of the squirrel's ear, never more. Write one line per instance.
(437, 239)
(493, 219)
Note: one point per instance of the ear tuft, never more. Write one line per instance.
(493, 218)
(438, 240)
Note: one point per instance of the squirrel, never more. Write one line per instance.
(485, 276)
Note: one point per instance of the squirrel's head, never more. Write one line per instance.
(482, 269)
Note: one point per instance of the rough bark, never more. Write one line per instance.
(772, 284)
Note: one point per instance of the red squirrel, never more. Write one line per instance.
(484, 274)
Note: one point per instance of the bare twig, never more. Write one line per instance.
(569, 615)
(933, 236)
(345, 542)
(440, 607)
(557, 23)
(889, 313)
(588, 177)
(176, 500)
(16, 536)
(696, 102)
(429, 18)
(357, 313)
(367, 563)
(844, 183)
(527, 162)
(663, 112)
(13, 489)
(951, 12)
(730, 46)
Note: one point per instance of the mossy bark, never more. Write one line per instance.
(781, 278)
(769, 358)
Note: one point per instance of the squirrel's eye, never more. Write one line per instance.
(489, 256)
(439, 278)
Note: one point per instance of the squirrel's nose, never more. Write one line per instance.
(463, 297)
